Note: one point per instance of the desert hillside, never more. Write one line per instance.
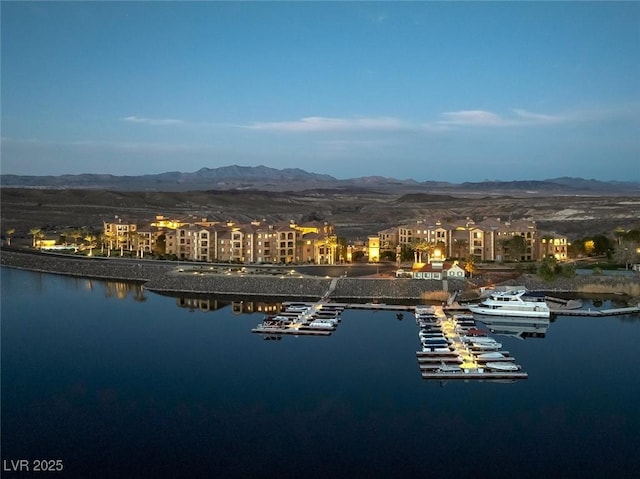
(356, 213)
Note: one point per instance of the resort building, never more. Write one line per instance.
(488, 240)
(119, 234)
(552, 244)
(210, 241)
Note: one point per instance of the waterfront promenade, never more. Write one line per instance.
(172, 277)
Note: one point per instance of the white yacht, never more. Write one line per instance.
(512, 303)
(503, 366)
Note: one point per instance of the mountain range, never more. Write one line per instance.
(263, 178)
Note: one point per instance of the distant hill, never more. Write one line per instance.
(295, 179)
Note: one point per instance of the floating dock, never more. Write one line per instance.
(463, 361)
(302, 319)
(595, 312)
(486, 376)
(292, 331)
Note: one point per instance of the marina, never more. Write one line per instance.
(453, 347)
(469, 354)
(173, 376)
(302, 319)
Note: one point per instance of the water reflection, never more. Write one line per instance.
(120, 290)
(520, 328)
(204, 305)
(207, 304)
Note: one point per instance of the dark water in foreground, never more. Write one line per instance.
(132, 388)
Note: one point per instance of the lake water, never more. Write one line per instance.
(121, 383)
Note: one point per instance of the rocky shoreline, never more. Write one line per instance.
(169, 278)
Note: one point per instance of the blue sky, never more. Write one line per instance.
(454, 91)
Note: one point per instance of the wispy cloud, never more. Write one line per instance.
(153, 121)
(470, 117)
(319, 124)
(484, 118)
(524, 115)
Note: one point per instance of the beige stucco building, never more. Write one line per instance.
(486, 240)
(210, 241)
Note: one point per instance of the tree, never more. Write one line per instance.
(421, 246)
(36, 234)
(137, 239)
(120, 239)
(602, 244)
(513, 248)
(548, 268)
(159, 249)
(518, 247)
(330, 243)
(627, 253)
(576, 248)
(470, 265)
(76, 234)
(568, 270)
(9, 233)
(91, 240)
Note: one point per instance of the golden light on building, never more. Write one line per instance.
(374, 248)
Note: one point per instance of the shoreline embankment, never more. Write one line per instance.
(186, 278)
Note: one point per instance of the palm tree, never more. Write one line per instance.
(120, 239)
(421, 246)
(76, 234)
(91, 239)
(132, 237)
(36, 233)
(330, 242)
(101, 238)
(9, 233)
(109, 238)
(138, 239)
(418, 246)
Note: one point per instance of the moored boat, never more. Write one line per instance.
(513, 304)
(502, 366)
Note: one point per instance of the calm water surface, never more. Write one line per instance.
(123, 384)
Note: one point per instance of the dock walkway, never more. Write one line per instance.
(462, 361)
(595, 312)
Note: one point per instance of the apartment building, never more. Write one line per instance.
(552, 244)
(119, 234)
(255, 242)
(488, 240)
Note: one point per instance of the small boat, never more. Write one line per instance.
(322, 323)
(502, 366)
(436, 349)
(297, 308)
(488, 346)
(491, 355)
(430, 334)
(480, 339)
(448, 368)
(435, 340)
(476, 332)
